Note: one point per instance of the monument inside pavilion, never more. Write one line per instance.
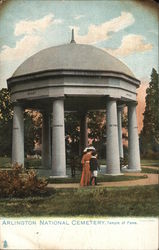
(75, 77)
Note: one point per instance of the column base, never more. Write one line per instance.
(129, 170)
(58, 176)
(18, 162)
(114, 174)
(104, 172)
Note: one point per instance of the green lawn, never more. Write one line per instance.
(150, 171)
(90, 201)
(150, 163)
(5, 162)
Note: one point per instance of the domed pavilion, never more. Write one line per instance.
(75, 77)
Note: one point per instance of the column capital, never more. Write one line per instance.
(120, 107)
(58, 98)
(112, 99)
(17, 103)
(134, 103)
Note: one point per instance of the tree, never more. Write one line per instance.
(29, 133)
(97, 131)
(72, 125)
(72, 132)
(32, 126)
(6, 107)
(150, 132)
(97, 125)
(6, 115)
(32, 130)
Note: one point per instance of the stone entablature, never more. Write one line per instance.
(74, 84)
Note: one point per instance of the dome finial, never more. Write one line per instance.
(73, 40)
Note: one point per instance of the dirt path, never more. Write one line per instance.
(152, 179)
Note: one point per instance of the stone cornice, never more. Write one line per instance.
(65, 85)
(75, 73)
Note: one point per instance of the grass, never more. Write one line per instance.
(33, 163)
(150, 161)
(145, 162)
(150, 171)
(5, 162)
(101, 201)
(100, 178)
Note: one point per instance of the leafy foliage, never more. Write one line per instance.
(6, 115)
(72, 132)
(6, 107)
(96, 130)
(97, 125)
(150, 132)
(32, 130)
(32, 126)
(20, 183)
(36, 119)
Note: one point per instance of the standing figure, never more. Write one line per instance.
(86, 174)
(94, 166)
(73, 163)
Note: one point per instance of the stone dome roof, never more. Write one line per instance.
(72, 57)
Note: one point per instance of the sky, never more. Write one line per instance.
(127, 29)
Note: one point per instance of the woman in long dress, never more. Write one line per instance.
(86, 174)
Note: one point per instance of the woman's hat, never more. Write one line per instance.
(91, 148)
(85, 150)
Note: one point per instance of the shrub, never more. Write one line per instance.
(19, 182)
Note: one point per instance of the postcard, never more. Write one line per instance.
(79, 125)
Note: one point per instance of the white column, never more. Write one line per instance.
(113, 161)
(133, 141)
(46, 141)
(83, 131)
(18, 135)
(58, 139)
(119, 115)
